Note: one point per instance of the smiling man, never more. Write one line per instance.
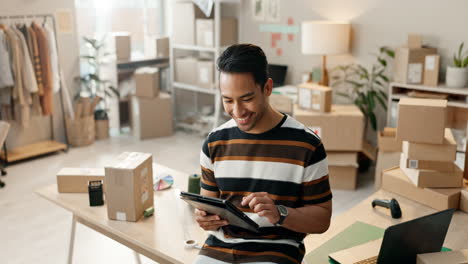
(267, 164)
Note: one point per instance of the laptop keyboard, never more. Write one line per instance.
(372, 260)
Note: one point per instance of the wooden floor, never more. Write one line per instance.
(34, 230)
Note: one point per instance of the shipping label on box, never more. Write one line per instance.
(415, 71)
(431, 70)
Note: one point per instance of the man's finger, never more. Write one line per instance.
(262, 206)
(207, 218)
(259, 200)
(214, 224)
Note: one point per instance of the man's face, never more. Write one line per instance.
(243, 99)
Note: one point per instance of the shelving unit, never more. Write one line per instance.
(215, 52)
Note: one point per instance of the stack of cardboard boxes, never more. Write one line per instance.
(427, 173)
(151, 109)
(341, 128)
(389, 153)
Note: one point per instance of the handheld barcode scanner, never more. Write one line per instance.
(393, 205)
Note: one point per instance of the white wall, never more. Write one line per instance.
(40, 128)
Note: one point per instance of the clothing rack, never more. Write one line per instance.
(41, 147)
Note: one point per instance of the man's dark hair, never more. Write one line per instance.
(245, 58)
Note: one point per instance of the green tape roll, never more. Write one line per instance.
(194, 183)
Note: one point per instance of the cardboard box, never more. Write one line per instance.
(408, 65)
(152, 117)
(432, 178)
(205, 72)
(385, 160)
(388, 141)
(282, 103)
(395, 180)
(162, 47)
(443, 166)
(447, 257)
(186, 70)
(75, 180)
(464, 199)
(123, 46)
(342, 170)
(147, 82)
(340, 130)
(431, 70)
(183, 22)
(432, 152)
(413, 120)
(205, 32)
(129, 180)
(357, 254)
(315, 97)
(457, 117)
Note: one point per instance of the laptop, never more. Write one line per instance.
(402, 242)
(278, 74)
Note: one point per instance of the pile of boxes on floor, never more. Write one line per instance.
(341, 128)
(427, 172)
(151, 110)
(127, 183)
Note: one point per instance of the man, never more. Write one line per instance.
(267, 164)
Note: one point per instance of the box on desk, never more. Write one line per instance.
(315, 97)
(147, 82)
(75, 180)
(129, 191)
(448, 257)
(342, 170)
(387, 140)
(152, 117)
(422, 120)
(395, 180)
(447, 151)
(443, 166)
(385, 160)
(340, 130)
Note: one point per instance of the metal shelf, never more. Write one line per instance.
(193, 88)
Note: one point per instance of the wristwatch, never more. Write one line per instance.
(283, 212)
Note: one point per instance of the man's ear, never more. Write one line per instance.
(268, 88)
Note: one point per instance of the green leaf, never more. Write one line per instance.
(385, 78)
(88, 57)
(383, 94)
(390, 53)
(373, 120)
(460, 49)
(115, 91)
(370, 100)
(354, 83)
(465, 62)
(382, 61)
(381, 100)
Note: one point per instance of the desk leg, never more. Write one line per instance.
(72, 240)
(137, 257)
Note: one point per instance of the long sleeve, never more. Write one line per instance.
(43, 45)
(53, 54)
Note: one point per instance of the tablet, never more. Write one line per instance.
(225, 209)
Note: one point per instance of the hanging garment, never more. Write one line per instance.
(35, 59)
(6, 77)
(17, 93)
(29, 78)
(43, 45)
(53, 54)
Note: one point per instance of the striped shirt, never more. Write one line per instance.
(288, 162)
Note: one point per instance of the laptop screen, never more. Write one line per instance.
(277, 73)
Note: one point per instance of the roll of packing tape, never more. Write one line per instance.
(190, 243)
(194, 183)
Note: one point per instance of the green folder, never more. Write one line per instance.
(356, 234)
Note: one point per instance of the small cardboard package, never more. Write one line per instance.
(129, 180)
(387, 140)
(432, 178)
(385, 160)
(431, 70)
(75, 180)
(152, 117)
(443, 166)
(413, 120)
(342, 170)
(447, 257)
(395, 180)
(281, 103)
(186, 70)
(162, 47)
(147, 82)
(183, 22)
(123, 45)
(315, 97)
(205, 32)
(447, 151)
(205, 69)
(357, 254)
(340, 130)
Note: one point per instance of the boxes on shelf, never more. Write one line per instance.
(152, 117)
(205, 32)
(183, 22)
(385, 160)
(340, 130)
(388, 141)
(281, 103)
(205, 72)
(431, 70)
(432, 178)
(432, 152)
(186, 70)
(123, 45)
(129, 191)
(421, 120)
(147, 82)
(75, 180)
(162, 47)
(315, 97)
(342, 170)
(395, 180)
(447, 257)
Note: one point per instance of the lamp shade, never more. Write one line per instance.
(325, 37)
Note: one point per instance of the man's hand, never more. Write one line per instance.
(263, 205)
(209, 222)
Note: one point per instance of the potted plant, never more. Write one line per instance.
(93, 86)
(457, 75)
